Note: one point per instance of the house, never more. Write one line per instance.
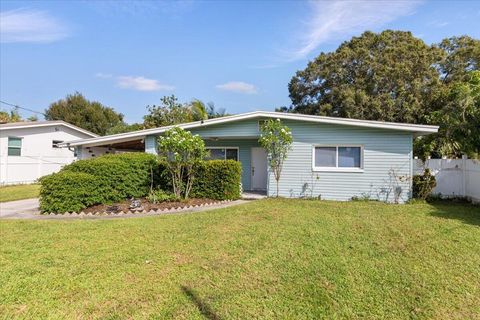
(29, 150)
(334, 158)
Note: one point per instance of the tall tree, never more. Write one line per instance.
(89, 115)
(460, 56)
(123, 127)
(459, 121)
(388, 76)
(169, 112)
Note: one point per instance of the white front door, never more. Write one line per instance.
(259, 169)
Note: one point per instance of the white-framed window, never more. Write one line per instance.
(344, 158)
(222, 153)
(14, 146)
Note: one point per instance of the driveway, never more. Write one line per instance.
(22, 209)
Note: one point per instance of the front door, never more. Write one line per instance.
(259, 169)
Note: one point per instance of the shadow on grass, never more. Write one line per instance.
(203, 307)
(464, 211)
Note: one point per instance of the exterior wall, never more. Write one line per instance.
(244, 155)
(385, 152)
(387, 160)
(91, 152)
(38, 157)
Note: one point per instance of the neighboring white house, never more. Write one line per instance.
(28, 150)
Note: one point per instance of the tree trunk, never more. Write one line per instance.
(277, 186)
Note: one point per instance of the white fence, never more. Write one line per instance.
(455, 177)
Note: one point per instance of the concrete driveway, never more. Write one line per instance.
(20, 209)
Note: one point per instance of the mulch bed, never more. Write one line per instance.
(145, 205)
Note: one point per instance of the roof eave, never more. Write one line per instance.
(417, 130)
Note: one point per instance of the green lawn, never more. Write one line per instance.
(267, 259)
(19, 192)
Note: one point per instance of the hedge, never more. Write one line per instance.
(218, 179)
(69, 191)
(114, 178)
(123, 175)
(117, 177)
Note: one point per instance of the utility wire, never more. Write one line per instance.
(23, 108)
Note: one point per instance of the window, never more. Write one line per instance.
(222, 153)
(55, 143)
(14, 146)
(337, 158)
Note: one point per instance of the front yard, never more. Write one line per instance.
(19, 192)
(266, 259)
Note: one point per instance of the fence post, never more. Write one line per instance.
(464, 175)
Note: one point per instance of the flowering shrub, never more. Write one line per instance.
(423, 184)
(276, 139)
(181, 152)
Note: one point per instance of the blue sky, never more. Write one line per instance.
(239, 55)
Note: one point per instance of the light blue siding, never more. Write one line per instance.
(387, 163)
(387, 159)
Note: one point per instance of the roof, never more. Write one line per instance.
(417, 129)
(36, 124)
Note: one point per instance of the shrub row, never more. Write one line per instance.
(218, 179)
(105, 179)
(113, 178)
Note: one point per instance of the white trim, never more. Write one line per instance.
(14, 147)
(337, 168)
(414, 128)
(34, 124)
(221, 147)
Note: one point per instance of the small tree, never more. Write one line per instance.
(276, 139)
(181, 152)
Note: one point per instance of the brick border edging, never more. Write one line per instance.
(130, 212)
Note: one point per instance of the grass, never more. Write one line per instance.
(267, 259)
(19, 192)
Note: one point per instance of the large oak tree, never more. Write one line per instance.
(393, 76)
(89, 115)
(388, 76)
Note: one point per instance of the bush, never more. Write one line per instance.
(122, 175)
(69, 191)
(217, 179)
(159, 195)
(113, 178)
(423, 185)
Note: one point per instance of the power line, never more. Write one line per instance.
(23, 108)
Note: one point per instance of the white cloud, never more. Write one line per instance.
(339, 19)
(136, 82)
(238, 86)
(142, 84)
(36, 26)
(103, 75)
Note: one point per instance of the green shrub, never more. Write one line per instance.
(122, 175)
(218, 179)
(69, 191)
(423, 185)
(113, 178)
(159, 195)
